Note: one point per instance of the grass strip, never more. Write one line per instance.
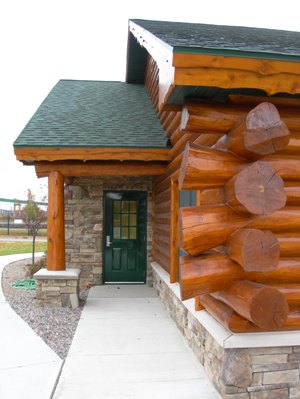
(11, 248)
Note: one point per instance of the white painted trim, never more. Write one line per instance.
(224, 337)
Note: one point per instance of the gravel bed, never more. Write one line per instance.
(56, 326)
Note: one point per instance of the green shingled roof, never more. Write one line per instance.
(94, 114)
(221, 39)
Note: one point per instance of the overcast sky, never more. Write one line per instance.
(43, 41)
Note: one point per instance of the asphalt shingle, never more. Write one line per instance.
(94, 114)
(222, 37)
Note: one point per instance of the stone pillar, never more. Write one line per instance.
(57, 288)
(56, 222)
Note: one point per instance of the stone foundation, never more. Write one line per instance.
(238, 368)
(57, 289)
(84, 221)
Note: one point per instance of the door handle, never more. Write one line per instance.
(108, 242)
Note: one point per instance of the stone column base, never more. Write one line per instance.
(57, 289)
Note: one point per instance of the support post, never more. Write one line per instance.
(56, 222)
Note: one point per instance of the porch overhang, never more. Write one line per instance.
(84, 154)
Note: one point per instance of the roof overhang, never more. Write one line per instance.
(182, 68)
(29, 155)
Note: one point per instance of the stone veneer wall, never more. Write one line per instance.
(84, 220)
(249, 373)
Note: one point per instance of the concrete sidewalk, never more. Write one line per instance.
(126, 346)
(28, 367)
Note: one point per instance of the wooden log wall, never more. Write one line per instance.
(243, 238)
(243, 243)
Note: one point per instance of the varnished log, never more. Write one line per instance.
(204, 167)
(287, 166)
(289, 244)
(209, 273)
(262, 132)
(257, 190)
(293, 195)
(290, 291)
(205, 117)
(212, 196)
(238, 324)
(264, 306)
(206, 227)
(217, 195)
(56, 225)
(198, 303)
(254, 249)
(174, 236)
(198, 116)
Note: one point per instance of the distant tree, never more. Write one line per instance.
(33, 217)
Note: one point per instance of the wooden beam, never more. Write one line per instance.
(213, 117)
(56, 224)
(240, 99)
(209, 273)
(92, 154)
(174, 242)
(227, 78)
(264, 306)
(100, 169)
(258, 65)
(238, 324)
(204, 167)
(205, 227)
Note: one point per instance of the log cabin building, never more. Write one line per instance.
(187, 177)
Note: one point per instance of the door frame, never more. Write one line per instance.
(137, 196)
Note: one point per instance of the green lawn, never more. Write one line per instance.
(10, 248)
(20, 232)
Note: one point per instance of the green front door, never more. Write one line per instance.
(125, 230)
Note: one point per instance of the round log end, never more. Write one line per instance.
(255, 250)
(257, 190)
(269, 309)
(267, 141)
(266, 132)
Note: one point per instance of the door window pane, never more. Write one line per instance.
(132, 231)
(132, 206)
(124, 220)
(117, 206)
(124, 233)
(117, 232)
(133, 220)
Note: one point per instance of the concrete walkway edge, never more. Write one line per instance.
(29, 369)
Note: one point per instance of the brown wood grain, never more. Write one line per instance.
(254, 249)
(56, 224)
(91, 154)
(260, 132)
(209, 273)
(256, 190)
(205, 227)
(264, 306)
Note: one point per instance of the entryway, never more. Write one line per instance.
(125, 237)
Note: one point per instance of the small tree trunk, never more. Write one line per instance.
(33, 245)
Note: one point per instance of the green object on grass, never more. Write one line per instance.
(25, 284)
